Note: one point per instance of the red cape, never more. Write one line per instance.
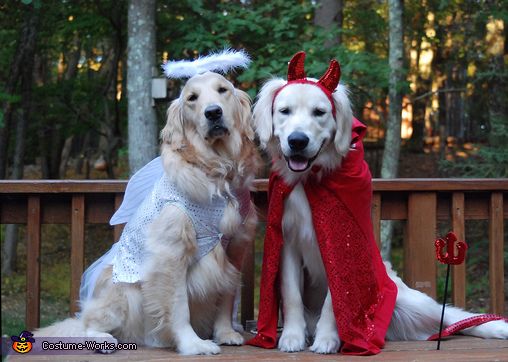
(363, 296)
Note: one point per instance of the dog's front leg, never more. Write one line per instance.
(293, 334)
(171, 245)
(186, 339)
(327, 338)
(223, 332)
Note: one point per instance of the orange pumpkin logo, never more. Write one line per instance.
(23, 342)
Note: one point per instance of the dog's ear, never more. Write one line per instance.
(172, 133)
(263, 112)
(344, 117)
(243, 114)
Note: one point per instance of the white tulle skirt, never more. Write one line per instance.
(138, 187)
(90, 276)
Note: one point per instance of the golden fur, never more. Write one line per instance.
(180, 304)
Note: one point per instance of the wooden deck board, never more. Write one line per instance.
(455, 349)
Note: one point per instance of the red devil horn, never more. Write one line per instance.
(296, 66)
(331, 78)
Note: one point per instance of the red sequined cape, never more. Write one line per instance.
(363, 296)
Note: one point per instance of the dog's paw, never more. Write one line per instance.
(105, 342)
(326, 344)
(292, 341)
(228, 337)
(494, 329)
(199, 346)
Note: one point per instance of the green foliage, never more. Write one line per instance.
(36, 3)
(272, 32)
(74, 104)
(491, 160)
(13, 284)
(10, 98)
(7, 98)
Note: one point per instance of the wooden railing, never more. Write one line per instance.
(420, 202)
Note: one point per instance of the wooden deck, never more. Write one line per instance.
(458, 348)
(420, 203)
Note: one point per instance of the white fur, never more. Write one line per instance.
(179, 303)
(221, 62)
(306, 303)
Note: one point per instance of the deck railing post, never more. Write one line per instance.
(77, 248)
(33, 262)
(496, 253)
(459, 271)
(421, 233)
(247, 297)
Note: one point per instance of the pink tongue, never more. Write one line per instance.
(298, 165)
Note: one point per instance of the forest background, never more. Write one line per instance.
(67, 108)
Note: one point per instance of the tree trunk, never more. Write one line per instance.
(329, 15)
(498, 90)
(29, 40)
(142, 125)
(17, 64)
(110, 129)
(64, 158)
(416, 141)
(439, 60)
(9, 250)
(55, 153)
(455, 80)
(4, 136)
(423, 86)
(73, 58)
(390, 163)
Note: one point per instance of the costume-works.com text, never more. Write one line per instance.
(87, 345)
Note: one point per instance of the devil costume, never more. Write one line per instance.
(363, 296)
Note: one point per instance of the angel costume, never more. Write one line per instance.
(147, 193)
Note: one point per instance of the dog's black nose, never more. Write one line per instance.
(298, 141)
(213, 112)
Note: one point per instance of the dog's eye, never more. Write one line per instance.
(318, 112)
(222, 90)
(192, 97)
(284, 111)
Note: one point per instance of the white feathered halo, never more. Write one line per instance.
(221, 62)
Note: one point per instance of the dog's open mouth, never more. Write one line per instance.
(217, 131)
(299, 163)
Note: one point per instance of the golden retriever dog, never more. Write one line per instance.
(176, 287)
(296, 125)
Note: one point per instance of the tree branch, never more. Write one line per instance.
(447, 90)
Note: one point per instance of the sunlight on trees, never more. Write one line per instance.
(455, 56)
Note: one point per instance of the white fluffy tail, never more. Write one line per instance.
(417, 316)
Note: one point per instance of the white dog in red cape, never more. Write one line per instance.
(319, 251)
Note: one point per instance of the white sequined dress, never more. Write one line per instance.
(127, 254)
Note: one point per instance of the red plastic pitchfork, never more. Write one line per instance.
(448, 257)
